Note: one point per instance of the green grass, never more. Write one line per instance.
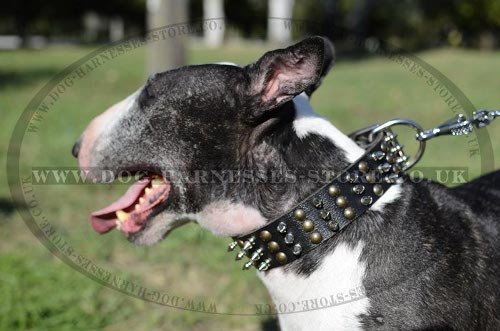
(38, 292)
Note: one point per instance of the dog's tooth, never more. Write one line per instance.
(122, 216)
(136, 206)
(147, 190)
(141, 201)
(156, 182)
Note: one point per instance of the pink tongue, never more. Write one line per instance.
(104, 220)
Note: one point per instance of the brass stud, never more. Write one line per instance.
(333, 225)
(383, 147)
(358, 189)
(265, 235)
(333, 190)
(370, 178)
(349, 213)
(308, 225)
(341, 202)
(397, 168)
(315, 237)
(273, 246)
(325, 215)
(240, 243)
(389, 158)
(299, 214)
(281, 258)
(378, 190)
(363, 167)
(317, 202)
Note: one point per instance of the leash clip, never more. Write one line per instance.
(459, 125)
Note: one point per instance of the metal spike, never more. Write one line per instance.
(396, 148)
(232, 246)
(385, 167)
(240, 255)
(249, 244)
(390, 137)
(402, 159)
(263, 266)
(391, 178)
(247, 265)
(256, 255)
(378, 155)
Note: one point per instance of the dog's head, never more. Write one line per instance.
(190, 130)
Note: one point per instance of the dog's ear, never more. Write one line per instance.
(281, 74)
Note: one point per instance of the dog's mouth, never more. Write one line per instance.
(130, 213)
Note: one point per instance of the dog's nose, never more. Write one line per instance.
(76, 147)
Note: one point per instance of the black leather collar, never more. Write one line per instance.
(327, 211)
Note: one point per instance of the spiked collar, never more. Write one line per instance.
(329, 210)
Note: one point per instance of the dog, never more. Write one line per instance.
(426, 256)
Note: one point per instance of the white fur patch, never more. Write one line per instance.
(307, 122)
(224, 218)
(393, 193)
(340, 275)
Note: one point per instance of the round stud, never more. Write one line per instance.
(281, 258)
(366, 200)
(390, 158)
(383, 147)
(265, 235)
(240, 243)
(308, 225)
(299, 214)
(370, 178)
(315, 237)
(378, 190)
(273, 246)
(363, 167)
(333, 225)
(349, 213)
(341, 202)
(333, 191)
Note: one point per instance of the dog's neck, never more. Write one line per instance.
(332, 275)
